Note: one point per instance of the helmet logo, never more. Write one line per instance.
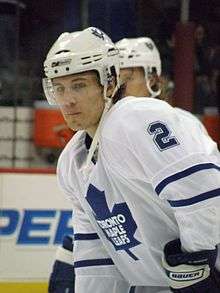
(98, 33)
(150, 46)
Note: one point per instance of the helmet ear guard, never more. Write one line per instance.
(151, 91)
(152, 72)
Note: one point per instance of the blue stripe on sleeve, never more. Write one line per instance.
(183, 174)
(89, 236)
(93, 262)
(195, 199)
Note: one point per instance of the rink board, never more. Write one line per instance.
(34, 216)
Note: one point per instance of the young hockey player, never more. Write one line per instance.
(82, 72)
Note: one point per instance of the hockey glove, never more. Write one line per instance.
(190, 272)
(62, 277)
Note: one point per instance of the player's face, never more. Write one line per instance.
(135, 82)
(80, 98)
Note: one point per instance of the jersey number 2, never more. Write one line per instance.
(162, 135)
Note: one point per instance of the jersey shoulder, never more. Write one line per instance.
(131, 105)
(72, 148)
(131, 113)
(67, 164)
(191, 118)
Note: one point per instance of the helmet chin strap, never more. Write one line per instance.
(94, 144)
(153, 93)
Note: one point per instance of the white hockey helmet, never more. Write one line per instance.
(90, 49)
(139, 52)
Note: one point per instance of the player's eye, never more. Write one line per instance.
(78, 86)
(58, 89)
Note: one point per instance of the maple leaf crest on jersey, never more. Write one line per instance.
(118, 225)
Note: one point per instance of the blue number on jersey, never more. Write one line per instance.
(162, 135)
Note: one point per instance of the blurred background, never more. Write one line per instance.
(187, 34)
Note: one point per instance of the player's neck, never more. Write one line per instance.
(91, 130)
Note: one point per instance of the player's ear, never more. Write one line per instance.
(126, 75)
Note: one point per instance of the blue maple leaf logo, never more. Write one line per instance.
(118, 225)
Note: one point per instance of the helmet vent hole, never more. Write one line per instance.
(63, 51)
(55, 71)
(154, 70)
(87, 62)
(67, 68)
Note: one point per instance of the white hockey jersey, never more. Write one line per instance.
(94, 275)
(133, 202)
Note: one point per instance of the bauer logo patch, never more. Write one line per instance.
(186, 276)
(118, 225)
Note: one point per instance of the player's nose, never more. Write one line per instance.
(69, 98)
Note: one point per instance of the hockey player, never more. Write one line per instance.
(82, 75)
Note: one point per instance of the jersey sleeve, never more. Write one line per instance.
(210, 144)
(63, 169)
(153, 146)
